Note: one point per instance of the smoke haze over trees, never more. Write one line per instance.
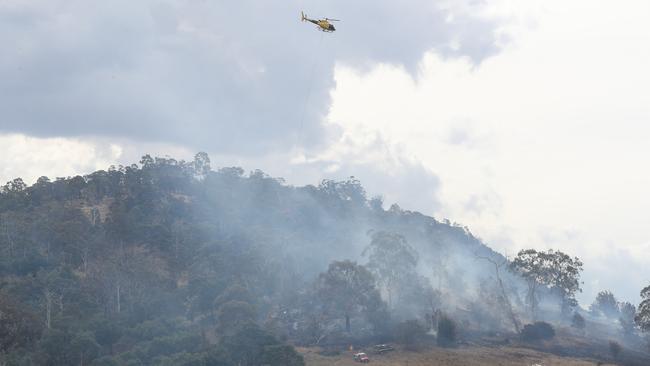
(172, 262)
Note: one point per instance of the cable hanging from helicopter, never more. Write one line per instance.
(323, 25)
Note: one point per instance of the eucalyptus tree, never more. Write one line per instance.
(554, 270)
(605, 304)
(392, 260)
(642, 317)
(347, 289)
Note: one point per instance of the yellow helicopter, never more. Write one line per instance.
(324, 25)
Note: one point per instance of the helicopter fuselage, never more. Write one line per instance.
(323, 25)
(326, 26)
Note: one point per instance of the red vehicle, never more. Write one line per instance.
(361, 357)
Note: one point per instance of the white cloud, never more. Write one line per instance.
(227, 75)
(30, 158)
(551, 134)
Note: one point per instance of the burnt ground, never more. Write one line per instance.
(567, 348)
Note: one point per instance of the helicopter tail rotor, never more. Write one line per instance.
(302, 16)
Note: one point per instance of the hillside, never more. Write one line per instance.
(173, 263)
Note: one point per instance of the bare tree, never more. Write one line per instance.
(497, 272)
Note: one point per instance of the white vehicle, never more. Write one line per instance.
(361, 357)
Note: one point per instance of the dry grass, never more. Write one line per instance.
(465, 356)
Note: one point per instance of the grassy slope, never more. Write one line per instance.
(465, 356)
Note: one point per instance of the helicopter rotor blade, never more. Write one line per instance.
(333, 20)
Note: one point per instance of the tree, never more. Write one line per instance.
(392, 260)
(564, 277)
(642, 317)
(56, 286)
(147, 161)
(349, 190)
(84, 348)
(605, 304)
(18, 326)
(107, 333)
(409, 332)
(537, 331)
(416, 297)
(15, 186)
(56, 347)
(615, 349)
(440, 264)
(530, 265)
(246, 346)
(347, 289)
(504, 294)
(232, 315)
(553, 269)
(281, 355)
(578, 322)
(201, 165)
(447, 332)
(627, 312)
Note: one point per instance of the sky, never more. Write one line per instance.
(526, 121)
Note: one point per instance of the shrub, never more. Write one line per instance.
(578, 321)
(615, 349)
(282, 355)
(409, 332)
(447, 332)
(537, 331)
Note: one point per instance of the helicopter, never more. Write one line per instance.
(324, 25)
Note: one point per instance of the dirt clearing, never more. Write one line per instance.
(466, 356)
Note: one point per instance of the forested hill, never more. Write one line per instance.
(173, 263)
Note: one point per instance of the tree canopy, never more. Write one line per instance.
(173, 262)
